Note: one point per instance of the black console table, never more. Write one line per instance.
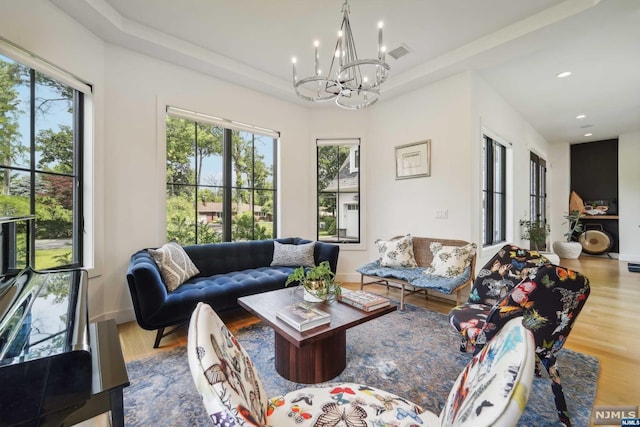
(109, 376)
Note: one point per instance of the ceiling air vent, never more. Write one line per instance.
(400, 51)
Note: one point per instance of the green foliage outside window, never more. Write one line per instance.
(53, 174)
(195, 183)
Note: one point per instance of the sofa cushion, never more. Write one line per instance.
(175, 265)
(397, 253)
(219, 290)
(417, 276)
(293, 255)
(450, 261)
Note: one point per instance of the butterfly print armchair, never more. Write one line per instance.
(508, 267)
(549, 301)
(233, 394)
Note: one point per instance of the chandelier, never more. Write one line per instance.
(353, 83)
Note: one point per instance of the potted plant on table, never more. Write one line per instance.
(318, 282)
(570, 248)
(536, 233)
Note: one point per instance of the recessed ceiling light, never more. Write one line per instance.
(588, 134)
(581, 116)
(564, 74)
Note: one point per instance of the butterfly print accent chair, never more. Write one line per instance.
(549, 303)
(233, 394)
(508, 267)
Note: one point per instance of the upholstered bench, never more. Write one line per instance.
(409, 263)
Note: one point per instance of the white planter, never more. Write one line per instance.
(308, 296)
(567, 250)
(551, 256)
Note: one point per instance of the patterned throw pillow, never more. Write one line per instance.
(397, 253)
(293, 255)
(175, 265)
(450, 261)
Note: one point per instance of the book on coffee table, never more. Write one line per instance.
(303, 316)
(364, 300)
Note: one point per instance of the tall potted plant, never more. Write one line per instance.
(536, 233)
(570, 248)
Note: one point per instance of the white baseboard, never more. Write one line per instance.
(121, 316)
(629, 257)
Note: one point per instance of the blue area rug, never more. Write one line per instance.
(412, 353)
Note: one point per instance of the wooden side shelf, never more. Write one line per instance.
(597, 217)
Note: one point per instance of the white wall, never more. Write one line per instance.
(391, 207)
(139, 88)
(559, 167)
(452, 113)
(629, 196)
(491, 113)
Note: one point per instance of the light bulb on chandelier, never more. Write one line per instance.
(353, 83)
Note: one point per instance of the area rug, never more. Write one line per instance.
(415, 343)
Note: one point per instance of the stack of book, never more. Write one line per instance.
(363, 300)
(303, 316)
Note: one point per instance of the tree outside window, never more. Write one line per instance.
(40, 162)
(220, 183)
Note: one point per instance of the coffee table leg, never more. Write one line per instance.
(313, 363)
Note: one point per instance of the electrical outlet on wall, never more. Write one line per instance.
(441, 213)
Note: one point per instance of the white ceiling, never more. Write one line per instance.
(517, 46)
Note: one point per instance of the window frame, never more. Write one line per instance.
(537, 187)
(494, 183)
(354, 156)
(227, 187)
(82, 111)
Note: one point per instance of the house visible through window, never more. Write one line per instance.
(221, 182)
(338, 186)
(494, 203)
(41, 138)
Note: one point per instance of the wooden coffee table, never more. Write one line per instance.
(316, 355)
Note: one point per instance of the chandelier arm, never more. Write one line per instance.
(348, 79)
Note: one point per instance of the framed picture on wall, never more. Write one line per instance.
(413, 160)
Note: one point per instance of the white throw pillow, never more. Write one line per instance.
(450, 261)
(397, 253)
(175, 265)
(293, 255)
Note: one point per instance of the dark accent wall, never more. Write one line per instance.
(594, 170)
(594, 176)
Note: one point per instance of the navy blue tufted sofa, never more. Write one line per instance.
(228, 271)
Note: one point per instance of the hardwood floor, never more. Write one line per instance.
(604, 328)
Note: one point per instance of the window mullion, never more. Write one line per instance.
(227, 184)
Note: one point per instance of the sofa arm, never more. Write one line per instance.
(326, 252)
(148, 292)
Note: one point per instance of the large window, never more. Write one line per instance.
(338, 190)
(537, 188)
(41, 129)
(494, 197)
(221, 183)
